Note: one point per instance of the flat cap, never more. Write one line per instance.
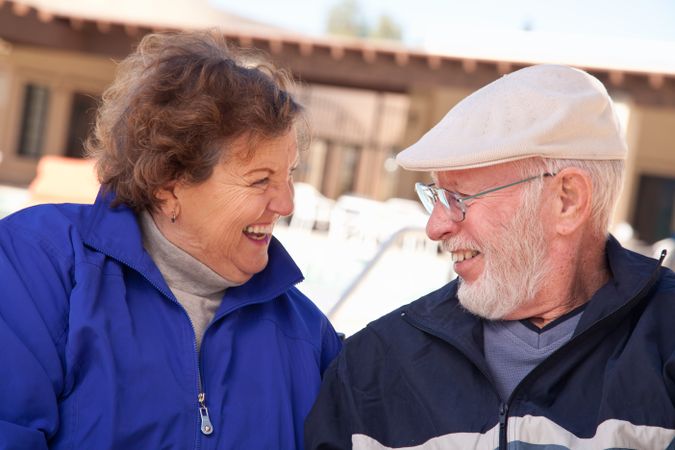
(549, 111)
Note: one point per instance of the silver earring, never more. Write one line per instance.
(173, 216)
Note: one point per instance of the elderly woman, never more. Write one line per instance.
(165, 316)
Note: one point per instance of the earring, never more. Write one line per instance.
(173, 216)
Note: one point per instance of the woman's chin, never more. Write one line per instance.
(255, 264)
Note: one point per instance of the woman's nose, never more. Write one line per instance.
(282, 203)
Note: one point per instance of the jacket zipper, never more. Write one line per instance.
(503, 416)
(206, 426)
(504, 406)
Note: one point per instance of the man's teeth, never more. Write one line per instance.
(459, 256)
(259, 229)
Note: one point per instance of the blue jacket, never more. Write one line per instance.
(97, 353)
(417, 378)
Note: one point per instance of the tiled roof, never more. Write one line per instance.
(153, 14)
(370, 64)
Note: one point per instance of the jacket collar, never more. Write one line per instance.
(632, 275)
(115, 232)
(440, 313)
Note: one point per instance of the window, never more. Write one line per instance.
(82, 118)
(340, 169)
(35, 106)
(655, 211)
(347, 169)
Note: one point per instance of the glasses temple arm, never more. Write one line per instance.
(480, 194)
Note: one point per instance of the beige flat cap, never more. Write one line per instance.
(546, 110)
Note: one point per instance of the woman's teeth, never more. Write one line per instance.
(258, 232)
(463, 255)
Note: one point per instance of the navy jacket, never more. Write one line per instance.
(97, 353)
(417, 378)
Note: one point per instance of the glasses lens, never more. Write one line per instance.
(426, 195)
(452, 205)
(455, 207)
(429, 195)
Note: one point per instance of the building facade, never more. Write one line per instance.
(366, 100)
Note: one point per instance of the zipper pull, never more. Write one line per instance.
(503, 411)
(503, 414)
(207, 428)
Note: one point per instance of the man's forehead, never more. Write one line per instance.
(478, 175)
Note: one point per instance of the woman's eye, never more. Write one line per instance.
(261, 182)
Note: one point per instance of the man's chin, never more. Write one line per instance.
(480, 312)
(473, 299)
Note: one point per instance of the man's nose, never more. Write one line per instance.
(440, 225)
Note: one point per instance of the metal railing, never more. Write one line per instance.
(393, 240)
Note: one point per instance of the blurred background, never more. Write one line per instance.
(374, 75)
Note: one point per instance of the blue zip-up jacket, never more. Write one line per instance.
(97, 353)
(417, 378)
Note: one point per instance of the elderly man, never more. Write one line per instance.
(553, 336)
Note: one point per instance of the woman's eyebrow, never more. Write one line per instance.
(260, 169)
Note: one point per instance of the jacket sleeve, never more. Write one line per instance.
(330, 346)
(34, 286)
(346, 391)
(328, 425)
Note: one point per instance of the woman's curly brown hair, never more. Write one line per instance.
(175, 104)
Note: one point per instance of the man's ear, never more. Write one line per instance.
(573, 196)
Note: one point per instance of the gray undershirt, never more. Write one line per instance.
(512, 349)
(197, 288)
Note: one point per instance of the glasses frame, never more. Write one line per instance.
(430, 195)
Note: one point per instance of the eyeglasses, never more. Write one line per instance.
(455, 204)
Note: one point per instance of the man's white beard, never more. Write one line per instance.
(515, 268)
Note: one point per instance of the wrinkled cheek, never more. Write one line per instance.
(227, 242)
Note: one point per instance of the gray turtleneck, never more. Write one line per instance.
(197, 288)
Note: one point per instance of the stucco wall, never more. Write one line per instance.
(64, 73)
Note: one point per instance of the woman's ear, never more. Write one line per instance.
(573, 196)
(169, 206)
